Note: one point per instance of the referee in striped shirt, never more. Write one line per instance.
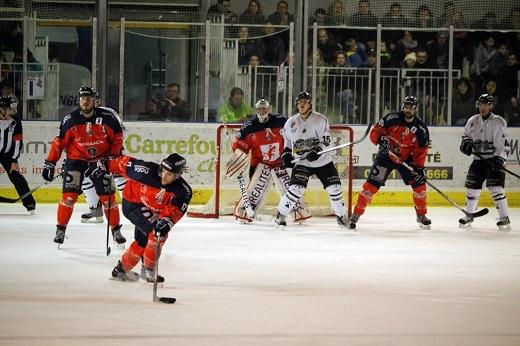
(11, 134)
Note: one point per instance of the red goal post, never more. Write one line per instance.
(223, 192)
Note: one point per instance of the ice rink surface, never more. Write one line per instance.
(389, 283)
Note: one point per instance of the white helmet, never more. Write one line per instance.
(262, 108)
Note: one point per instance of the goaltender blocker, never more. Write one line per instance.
(260, 136)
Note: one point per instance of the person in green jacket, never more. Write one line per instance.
(235, 110)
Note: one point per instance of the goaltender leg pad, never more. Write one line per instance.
(236, 163)
(256, 190)
(282, 181)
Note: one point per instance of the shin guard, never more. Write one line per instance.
(365, 197)
(499, 197)
(336, 199)
(149, 250)
(114, 210)
(131, 256)
(66, 207)
(419, 200)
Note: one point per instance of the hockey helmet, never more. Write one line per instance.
(486, 98)
(8, 102)
(174, 163)
(87, 91)
(410, 100)
(304, 95)
(262, 108)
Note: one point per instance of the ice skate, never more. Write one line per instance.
(95, 215)
(351, 222)
(280, 222)
(423, 221)
(465, 221)
(504, 224)
(31, 209)
(60, 235)
(120, 275)
(118, 237)
(148, 275)
(344, 222)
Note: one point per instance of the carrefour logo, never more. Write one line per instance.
(134, 143)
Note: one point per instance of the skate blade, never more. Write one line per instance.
(505, 228)
(92, 220)
(130, 277)
(467, 225)
(120, 246)
(280, 227)
(425, 227)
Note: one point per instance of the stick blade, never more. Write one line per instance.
(109, 250)
(479, 213)
(165, 300)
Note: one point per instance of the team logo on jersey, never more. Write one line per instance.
(99, 121)
(270, 152)
(293, 124)
(159, 196)
(92, 152)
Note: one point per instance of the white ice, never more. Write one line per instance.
(389, 283)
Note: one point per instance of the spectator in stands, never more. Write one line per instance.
(491, 87)
(364, 17)
(223, 8)
(488, 21)
(508, 76)
(394, 18)
(172, 107)
(355, 56)
(438, 51)
(339, 87)
(449, 9)
(499, 61)
(234, 110)
(271, 47)
(387, 60)
(254, 61)
(11, 36)
(371, 61)
(423, 59)
(463, 102)
(337, 16)
(328, 46)
(253, 15)
(405, 46)
(409, 60)
(321, 72)
(319, 17)
(512, 21)
(246, 46)
(423, 20)
(481, 62)
(282, 15)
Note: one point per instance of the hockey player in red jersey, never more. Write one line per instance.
(402, 137)
(155, 198)
(87, 134)
(260, 137)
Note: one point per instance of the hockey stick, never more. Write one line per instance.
(108, 225)
(408, 167)
(503, 169)
(156, 299)
(14, 200)
(367, 131)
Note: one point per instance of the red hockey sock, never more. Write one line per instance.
(149, 251)
(114, 210)
(365, 197)
(131, 256)
(419, 199)
(65, 207)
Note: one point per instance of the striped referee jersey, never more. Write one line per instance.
(11, 135)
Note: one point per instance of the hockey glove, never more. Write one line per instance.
(497, 163)
(466, 146)
(384, 145)
(48, 171)
(287, 158)
(313, 154)
(162, 227)
(419, 176)
(96, 170)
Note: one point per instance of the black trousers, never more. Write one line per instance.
(19, 182)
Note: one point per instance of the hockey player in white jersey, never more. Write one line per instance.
(95, 215)
(485, 135)
(305, 134)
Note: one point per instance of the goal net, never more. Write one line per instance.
(223, 193)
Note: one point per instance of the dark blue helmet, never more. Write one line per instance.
(410, 100)
(7, 102)
(174, 163)
(303, 96)
(486, 98)
(87, 91)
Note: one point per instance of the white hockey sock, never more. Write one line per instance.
(472, 196)
(90, 193)
(120, 182)
(498, 194)
(293, 195)
(336, 199)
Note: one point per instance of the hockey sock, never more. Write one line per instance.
(149, 250)
(114, 210)
(66, 206)
(365, 197)
(89, 190)
(497, 192)
(472, 196)
(336, 199)
(293, 195)
(120, 182)
(419, 199)
(131, 256)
